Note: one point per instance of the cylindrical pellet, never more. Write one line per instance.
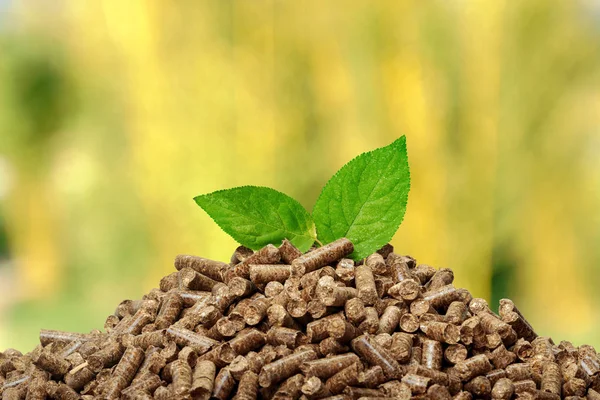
(240, 287)
(224, 384)
(519, 372)
(36, 389)
(313, 387)
(409, 322)
(455, 353)
(265, 273)
(147, 339)
(342, 330)
(456, 313)
(408, 290)
(247, 340)
(551, 379)
(372, 377)
(322, 256)
(479, 386)
(365, 284)
(290, 389)
(77, 378)
(401, 347)
(284, 367)
(346, 377)
(371, 322)
(574, 387)
(329, 346)
(124, 372)
(472, 367)
(501, 357)
(267, 255)
(169, 311)
(442, 277)
(503, 389)
(355, 310)
(189, 279)
(471, 332)
(345, 270)
(418, 384)
(149, 383)
(389, 320)
(327, 367)
(376, 263)
(248, 387)
(288, 251)
(376, 355)
(526, 386)
(59, 391)
(438, 392)
(442, 297)
(108, 356)
(424, 273)
(210, 268)
(432, 354)
(330, 294)
(421, 306)
(441, 331)
(396, 389)
(285, 336)
(185, 337)
(48, 336)
(438, 377)
(512, 316)
(53, 363)
(182, 377)
(522, 349)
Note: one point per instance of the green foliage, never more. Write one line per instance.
(38, 97)
(364, 201)
(256, 216)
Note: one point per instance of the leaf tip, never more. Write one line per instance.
(199, 199)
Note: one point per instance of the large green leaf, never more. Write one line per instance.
(256, 216)
(365, 200)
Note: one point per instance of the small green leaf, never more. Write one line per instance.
(256, 216)
(366, 199)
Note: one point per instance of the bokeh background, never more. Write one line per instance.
(114, 114)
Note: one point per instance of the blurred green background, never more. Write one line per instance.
(114, 114)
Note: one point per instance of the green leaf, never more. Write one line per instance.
(256, 216)
(366, 199)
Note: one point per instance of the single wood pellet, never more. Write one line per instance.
(279, 324)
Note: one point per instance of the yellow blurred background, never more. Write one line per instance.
(114, 114)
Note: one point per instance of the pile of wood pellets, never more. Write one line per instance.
(279, 324)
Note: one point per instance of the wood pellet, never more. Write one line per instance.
(279, 324)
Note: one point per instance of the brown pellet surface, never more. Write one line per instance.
(280, 324)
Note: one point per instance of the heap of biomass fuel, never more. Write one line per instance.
(279, 324)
